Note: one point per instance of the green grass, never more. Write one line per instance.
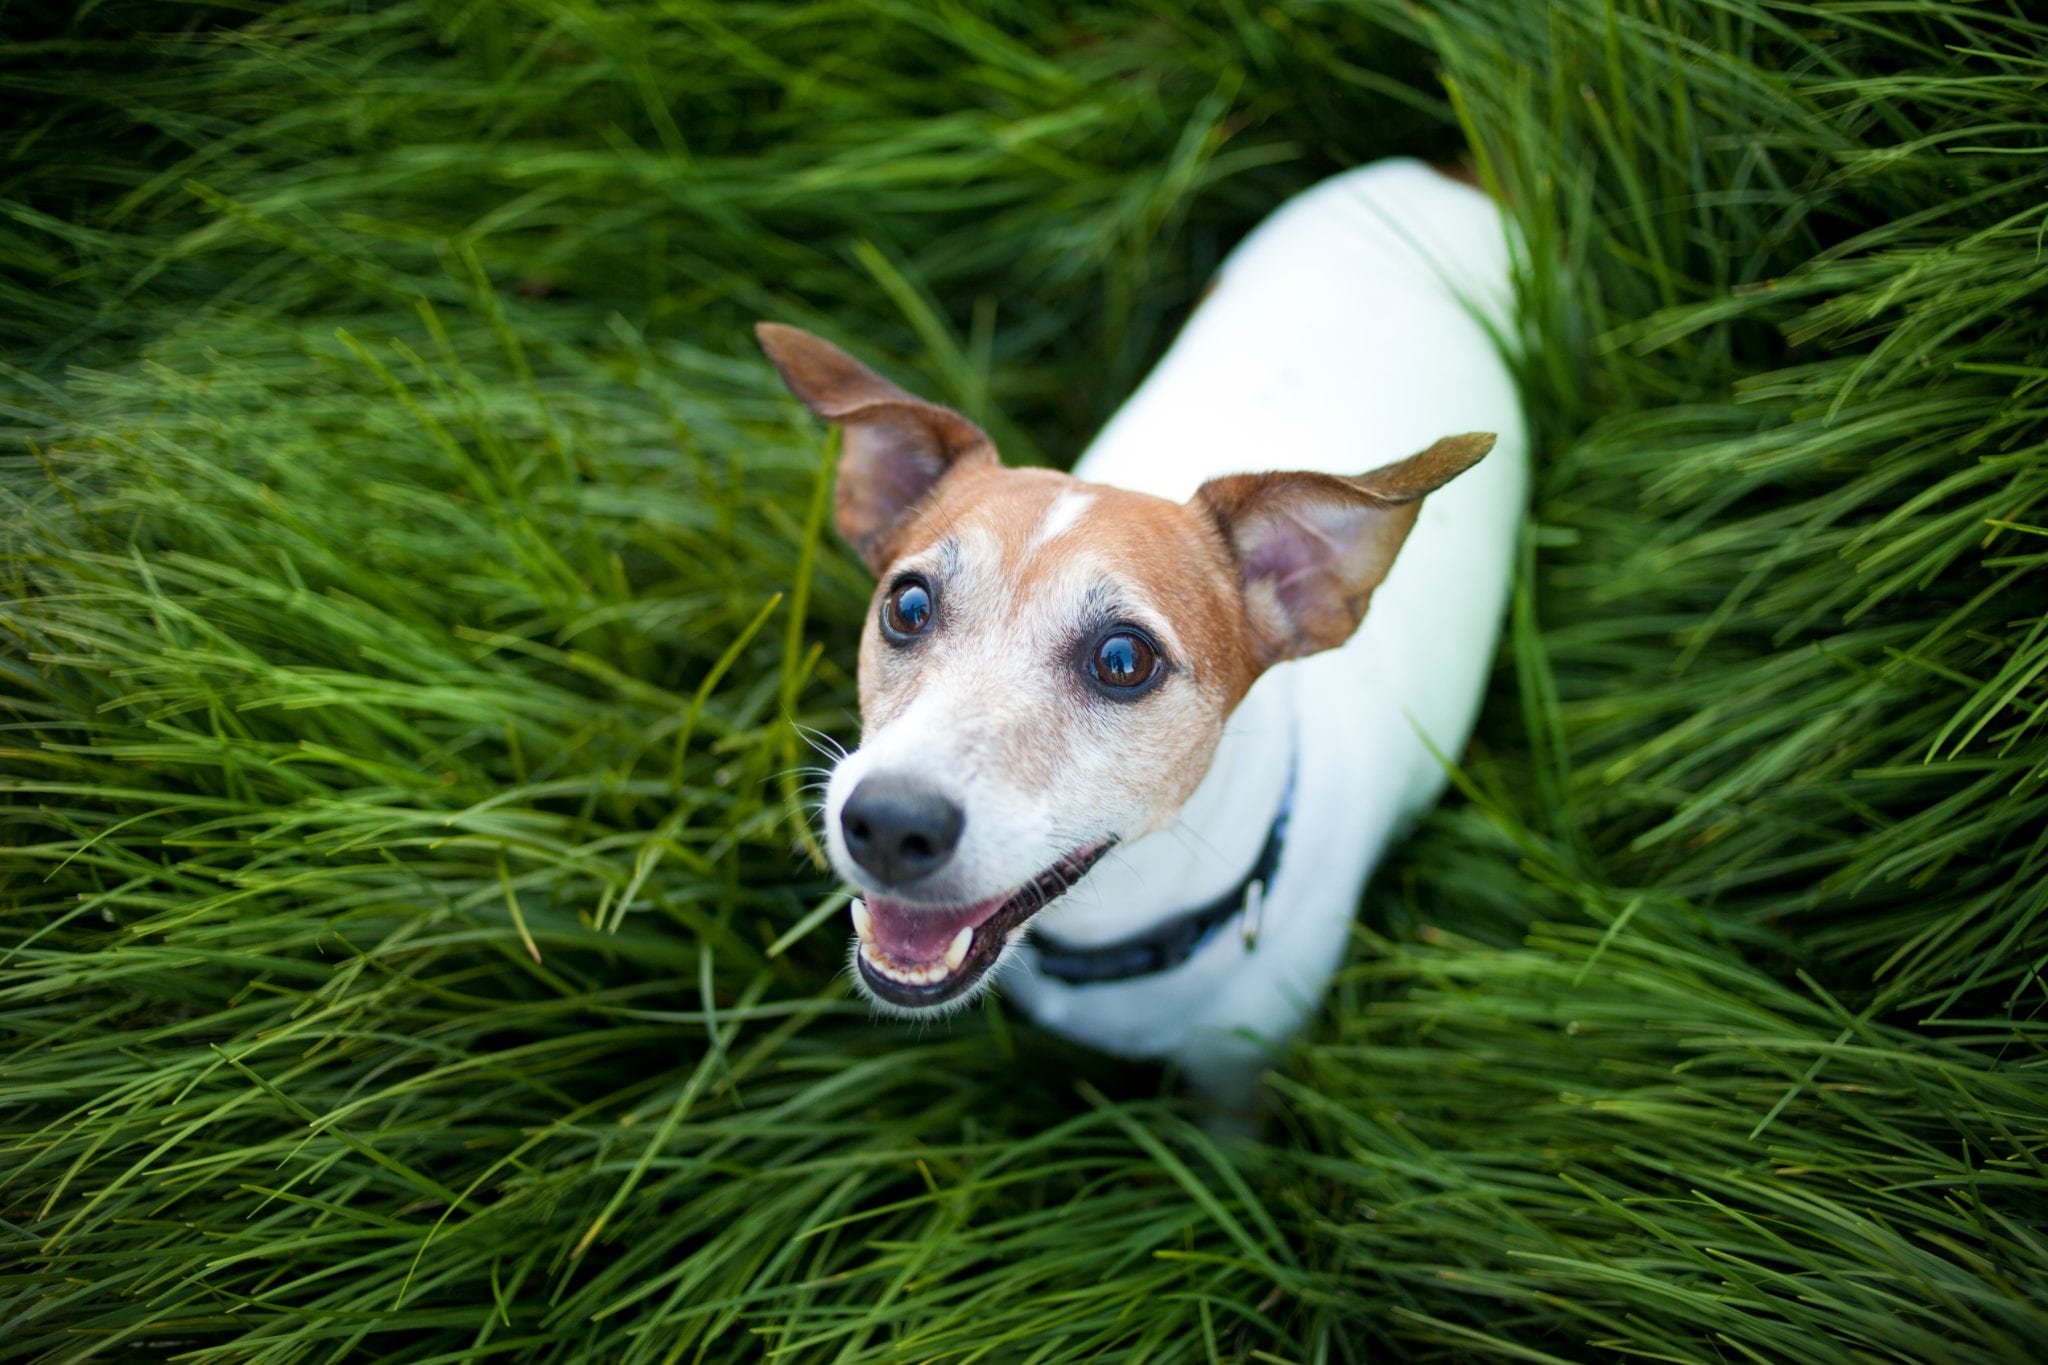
(416, 628)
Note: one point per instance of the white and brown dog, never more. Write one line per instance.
(1125, 741)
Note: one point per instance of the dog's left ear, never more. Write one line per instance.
(897, 446)
(1313, 547)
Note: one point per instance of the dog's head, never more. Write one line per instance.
(1048, 663)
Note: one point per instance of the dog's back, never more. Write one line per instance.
(1359, 323)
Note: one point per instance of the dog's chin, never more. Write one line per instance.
(913, 958)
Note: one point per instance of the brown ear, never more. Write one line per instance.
(897, 446)
(1313, 547)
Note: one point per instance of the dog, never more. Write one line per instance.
(1133, 738)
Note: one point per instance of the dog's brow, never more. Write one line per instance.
(1103, 599)
(941, 559)
(1107, 602)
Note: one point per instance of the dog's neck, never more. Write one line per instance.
(1218, 835)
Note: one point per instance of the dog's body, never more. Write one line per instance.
(1160, 707)
(1344, 333)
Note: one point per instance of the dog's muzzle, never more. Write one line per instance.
(917, 956)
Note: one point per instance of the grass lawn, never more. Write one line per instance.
(415, 617)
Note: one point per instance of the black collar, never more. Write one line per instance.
(1166, 945)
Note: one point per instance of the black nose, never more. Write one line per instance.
(899, 828)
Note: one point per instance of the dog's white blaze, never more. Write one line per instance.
(1066, 509)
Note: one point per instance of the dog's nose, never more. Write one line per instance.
(899, 828)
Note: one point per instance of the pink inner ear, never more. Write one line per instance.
(891, 458)
(1302, 551)
(896, 459)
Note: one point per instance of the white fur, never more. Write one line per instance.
(1066, 510)
(1349, 330)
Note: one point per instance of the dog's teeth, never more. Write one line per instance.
(896, 971)
(924, 975)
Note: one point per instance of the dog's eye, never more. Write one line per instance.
(1124, 661)
(908, 610)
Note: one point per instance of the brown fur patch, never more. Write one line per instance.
(1030, 579)
(1174, 556)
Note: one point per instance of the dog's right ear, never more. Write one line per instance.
(897, 446)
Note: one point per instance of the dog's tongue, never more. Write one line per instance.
(916, 935)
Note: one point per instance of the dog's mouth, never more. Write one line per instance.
(918, 956)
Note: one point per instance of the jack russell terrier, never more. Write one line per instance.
(1131, 738)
